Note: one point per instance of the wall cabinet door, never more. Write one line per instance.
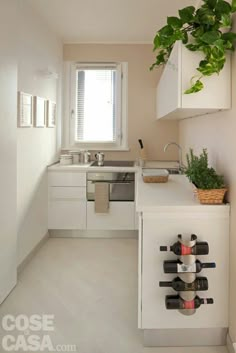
(67, 214)
(173, 103)
(163, 230)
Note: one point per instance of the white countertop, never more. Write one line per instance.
(87, 168)
(175, 195)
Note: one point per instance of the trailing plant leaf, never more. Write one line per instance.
(196, 87)
(174, 22)
(186, 14)
(233, 5)
(210, 3)
(210, 37)
(222, 7)
(199, 30)
(226, 21)
(205, 16)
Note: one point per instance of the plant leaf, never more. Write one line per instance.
(161, 59)
(156, 42)
(196, 87)
(192, 47)
(210, 37)
(222, 7)
(210, 3)
(233, 5)
(230, 36)
(186, 14)
(226, 20)
(185, 37)
(174, 22)
(205, 16)
(166, 31)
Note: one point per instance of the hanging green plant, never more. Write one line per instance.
(207, 30)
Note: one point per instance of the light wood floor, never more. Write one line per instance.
(90, 285)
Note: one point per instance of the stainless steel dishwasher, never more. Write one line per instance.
(121, 185)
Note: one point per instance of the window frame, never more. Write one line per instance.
(121, 142)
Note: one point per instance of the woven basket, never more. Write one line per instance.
(155, 179)
(210, 197)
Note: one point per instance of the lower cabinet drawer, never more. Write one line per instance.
(121, 216)
(66, 179)
(66, 214)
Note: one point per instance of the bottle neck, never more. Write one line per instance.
(165, 284)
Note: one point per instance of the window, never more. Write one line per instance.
(98, 106)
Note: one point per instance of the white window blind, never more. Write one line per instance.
(97, 115)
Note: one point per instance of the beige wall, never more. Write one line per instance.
(217, 132)
(141, 96)
(39, 49)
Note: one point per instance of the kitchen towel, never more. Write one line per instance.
(101, 197)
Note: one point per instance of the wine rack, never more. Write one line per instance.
(187, 284)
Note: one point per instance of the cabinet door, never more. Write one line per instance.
(162, 230)
(67, 214)
(121, 216)
(217, 88)
(169, 86)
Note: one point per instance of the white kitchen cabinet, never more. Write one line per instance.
(65, 192)
(66, 214)
(121, 216)
(67, 200)
(67, 178)
(161, 230)
(172, 103)
(158, 229)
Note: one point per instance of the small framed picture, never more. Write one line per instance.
(25, 109)
(39, 112)
(51, 114)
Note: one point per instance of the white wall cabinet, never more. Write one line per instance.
(172, 103)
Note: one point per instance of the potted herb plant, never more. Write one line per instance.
(207, 29)
(210, 187)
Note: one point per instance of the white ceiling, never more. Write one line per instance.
(107, 21)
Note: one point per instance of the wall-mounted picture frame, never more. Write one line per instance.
(51, 113)
(39, 112)
(25, 110)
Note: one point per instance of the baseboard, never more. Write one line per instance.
(70, 233)
(185, 337)
(27, 259)
(230, 345)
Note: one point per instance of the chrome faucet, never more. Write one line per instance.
(180, 153)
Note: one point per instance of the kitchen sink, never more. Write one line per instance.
(114, 164)
(174, 171)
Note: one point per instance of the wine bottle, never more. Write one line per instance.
(200, 248)
(200, 284)
(176, 266)
(176, 302)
